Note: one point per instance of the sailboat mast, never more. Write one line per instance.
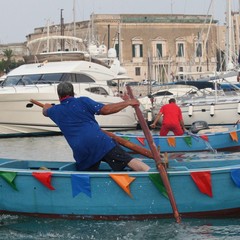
(228, 49)
(74, 24)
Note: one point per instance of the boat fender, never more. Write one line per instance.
(190, 110)
(212, 110)
(238, 108)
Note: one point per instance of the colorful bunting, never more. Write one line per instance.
(203, 182)
(188, 140)
(81, 183)
(126, 138)
(124, 181)
(44, 178)
(9, 178)
(141, 140)
(171, 141)
(234, 136)
(157, 181)
(204, 137)
(235, 174)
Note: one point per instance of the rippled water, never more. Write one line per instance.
(19, 227)
(56, 148)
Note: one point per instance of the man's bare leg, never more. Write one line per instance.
(137, 165)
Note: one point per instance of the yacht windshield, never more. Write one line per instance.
(45, 79)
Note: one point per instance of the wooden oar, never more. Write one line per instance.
(134, 147)
(156, 156)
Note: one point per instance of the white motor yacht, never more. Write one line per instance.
(39, 81)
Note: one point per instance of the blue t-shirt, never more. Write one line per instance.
(75, 118)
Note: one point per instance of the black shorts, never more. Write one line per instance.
(117, 158)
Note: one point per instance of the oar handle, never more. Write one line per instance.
(134, 147)
(36, 103)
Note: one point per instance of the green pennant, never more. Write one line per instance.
(188, 140)
(126, 138)
(9, 178)
(157, 181)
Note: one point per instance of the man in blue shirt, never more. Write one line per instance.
(90, 145)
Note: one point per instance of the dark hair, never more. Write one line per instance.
(172, 100)
(65, 89)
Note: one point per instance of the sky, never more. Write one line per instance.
(18, 18)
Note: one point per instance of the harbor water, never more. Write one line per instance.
(56, 149)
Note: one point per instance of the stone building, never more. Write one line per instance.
(161, 46)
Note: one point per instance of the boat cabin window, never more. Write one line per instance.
(82, 78)
(32, 79)
(11, 81)
(162, 93)
(51, 78)
(46, 79)
(97, 90)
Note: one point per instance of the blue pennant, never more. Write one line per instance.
(81, 183)
(235, 174)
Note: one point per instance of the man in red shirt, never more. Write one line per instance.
(172, 119)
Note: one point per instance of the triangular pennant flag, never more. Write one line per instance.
(44, 178)
(188, 140)
(203, 182)
(81, 183)
(234, 136)
(204, 137)
(9, 178)
(126, 138)
(141, 140)
(124, 181)
(171, 141)
(157, 181)
(235, 174)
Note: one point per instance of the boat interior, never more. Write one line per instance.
(174, 162)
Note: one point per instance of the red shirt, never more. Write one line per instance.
(172, 114)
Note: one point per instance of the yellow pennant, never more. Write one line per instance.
(234, 136)
(171, 141)
(124, 181)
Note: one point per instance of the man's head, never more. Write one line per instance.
(65, 89)
(172, 100)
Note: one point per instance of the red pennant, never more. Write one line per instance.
(44, 178)
(203, 182)
(204, 137)
(141, 140)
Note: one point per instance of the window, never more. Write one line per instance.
(199, 69)
(198, 49)
(83, 78)
(137, 50)
(180, 49)
(117, 49)
(159, 48)
(137, 71)
(97, 90)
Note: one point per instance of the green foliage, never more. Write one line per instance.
(8, 64)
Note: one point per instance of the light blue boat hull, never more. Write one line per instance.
(188, 142)
(109, 201)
